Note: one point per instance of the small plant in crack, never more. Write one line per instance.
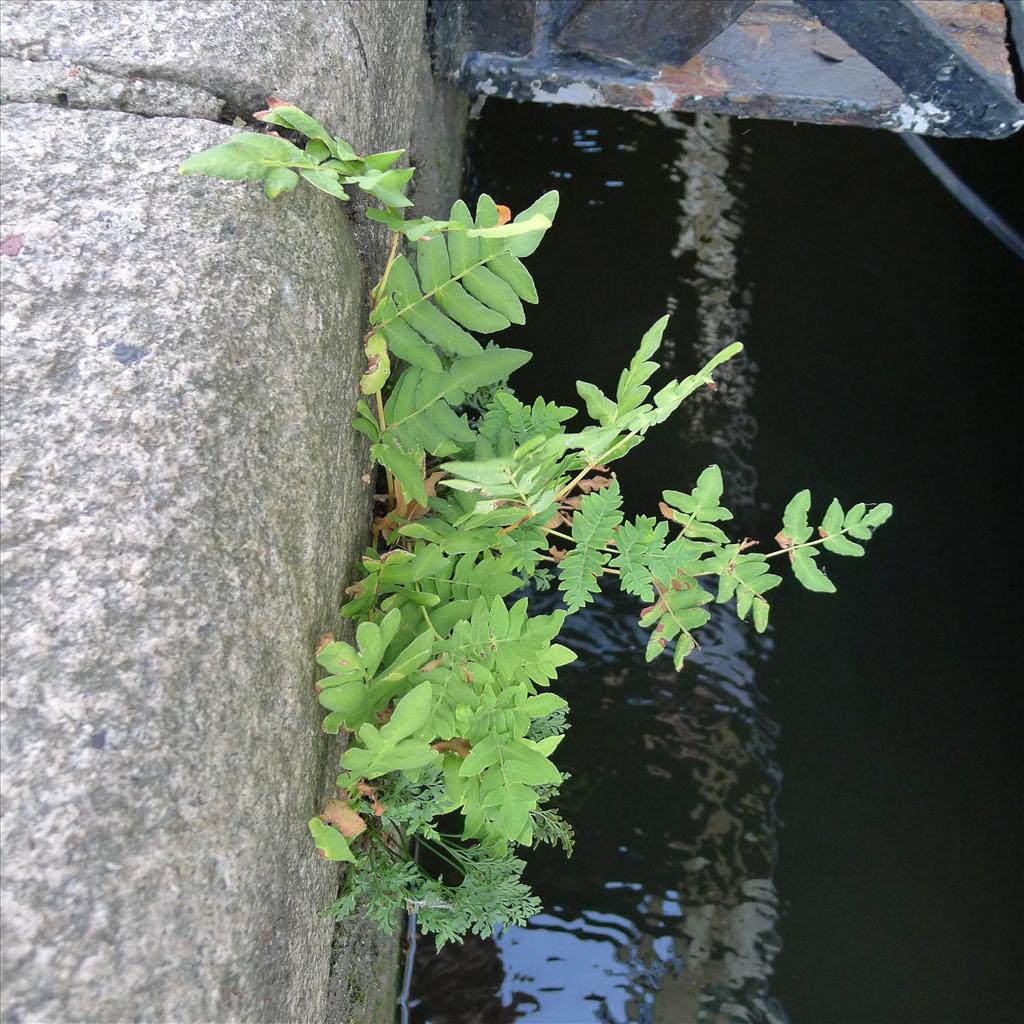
(445, 694)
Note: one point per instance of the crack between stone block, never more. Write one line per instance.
(110, 110)
(49, 91)
(359, 43)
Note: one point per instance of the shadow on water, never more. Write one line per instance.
(883, 324)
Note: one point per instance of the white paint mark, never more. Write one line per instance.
(917, 117)
(580, 93)
(664, 97)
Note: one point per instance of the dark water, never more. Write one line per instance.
(821, 825)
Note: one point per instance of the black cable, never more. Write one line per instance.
(964, 194)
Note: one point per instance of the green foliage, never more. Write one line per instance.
(326, 163)
(331, 844)
(445, 695)
(399, 745)
(695, 512)
(835, 532)
(593, 530)
(420, 413)
(674, 616)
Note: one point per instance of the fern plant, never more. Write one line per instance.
(444, 696)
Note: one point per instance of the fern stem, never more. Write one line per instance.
(565, 536)
(605, 569)
(426, 617)
(556, 533)
(375, 295)
(570, 486)
(392, 494)
(689, 522)
(515, 526)
(443, 854)
(805, 544)
(378, 291)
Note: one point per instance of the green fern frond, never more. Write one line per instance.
(745, 577)
(505, 489)
(593, 529)
(420, 412)
(697, 511)
(326, 163)
(674, 616)
(468, 277)
(795, 536)
(638, 542)
(508, 423)
(630, 413)
(445, 687)
(516, 647)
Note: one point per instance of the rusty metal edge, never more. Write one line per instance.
(521, 79)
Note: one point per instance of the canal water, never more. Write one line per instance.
(821, 825)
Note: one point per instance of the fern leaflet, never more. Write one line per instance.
(593, 529)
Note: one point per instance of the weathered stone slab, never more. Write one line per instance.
(352, 61)
(182, 500)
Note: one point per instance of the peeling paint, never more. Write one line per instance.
(914, 116)
(580, 93)
(664, 97)
(775, 61)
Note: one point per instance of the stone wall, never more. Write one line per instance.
(182, 501)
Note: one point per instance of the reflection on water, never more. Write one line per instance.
(667, 912)
(887, 328)
(708, 170)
